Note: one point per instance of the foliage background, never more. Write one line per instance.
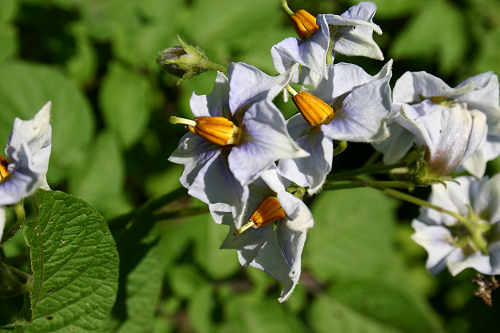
(95, 59)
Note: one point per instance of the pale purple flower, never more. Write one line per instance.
(361, 104)
(27, 157)
(470, 126)
(352, 35)
(275, 248)
(218, 174)
(448, 241)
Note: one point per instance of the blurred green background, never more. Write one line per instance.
(95, 59)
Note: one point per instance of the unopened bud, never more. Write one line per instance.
(268, 211)
(4, 171)
(218, 130)
(304, 23)
(314, 109)
(185, 61)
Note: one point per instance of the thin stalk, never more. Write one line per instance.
(423, 203)
(287, 9)
(371, 169)
(381, 184)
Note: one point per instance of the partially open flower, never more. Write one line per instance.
(275, 235)
(304, 23)
(27, 153)
(473, 239)
(236, 134)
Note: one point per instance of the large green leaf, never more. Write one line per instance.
(25, 88)
(327, 315)
(126, 102)
(100, 181)
(8, 41)
(438, 31)
(352, 235)
(143, 286)
(386, 303)
(74, 263)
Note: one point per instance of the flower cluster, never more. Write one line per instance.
(253, 167)
(24, 168)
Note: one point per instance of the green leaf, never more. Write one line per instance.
(200, 309)
(8, 41)
(487, 59)
(352, 235)
(83, 65)
(74, 263)
(326, 315)
(25, 88)
(185, 280)
(143, 286)
(126, 103)
(438, 31)
(8, 9)
(100, 180)
(389, 304)
(209, 236)
(247, 313)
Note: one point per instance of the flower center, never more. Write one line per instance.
(441, 100)
(315, 110)
(4, 172)
(304, 23)
(267, 212)
(218, 130)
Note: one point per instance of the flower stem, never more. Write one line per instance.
(380, 184)
(341, 146)
(371, 169)
(20, 217)
(420, 202)
(292, 91)
(287, 9)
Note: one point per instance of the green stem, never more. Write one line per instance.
(149, 206)
(215, 66)
(287, 9)
(380, 184)
(339, 149)
(371, 169)
(423, 203)
(372, 159)
(329, 58)
(20, 218)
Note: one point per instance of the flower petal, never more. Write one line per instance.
(308, 171)
(436, 240)
(2, 221)
(361, 114)
(265, 141)
(213, 104)
(354, 31)
(249, 84)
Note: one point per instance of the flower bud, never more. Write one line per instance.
(315, 110)
(4, 172)
(267, 212)
(304, 23)
(185, 61)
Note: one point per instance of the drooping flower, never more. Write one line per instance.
(237, 133)
(27, 153)
(469, 128)
(473, 240)
(270, 231)
(348, 105)
(351, 34)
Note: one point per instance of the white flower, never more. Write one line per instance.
(474, 96)
(27, 158)
(2, 221)
(276, 245)
(471, 242)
